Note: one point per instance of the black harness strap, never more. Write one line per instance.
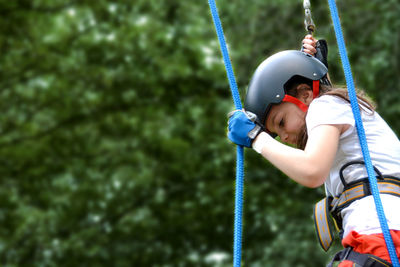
(360, 260)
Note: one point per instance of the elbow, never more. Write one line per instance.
(314, 178)
(314, 184)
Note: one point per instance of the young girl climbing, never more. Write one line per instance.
(290, 96)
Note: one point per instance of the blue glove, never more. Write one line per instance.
(242, 130)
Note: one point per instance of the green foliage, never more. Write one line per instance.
(113, 129)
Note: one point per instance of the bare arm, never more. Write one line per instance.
(309, 167)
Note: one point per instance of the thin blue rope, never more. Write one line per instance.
(237, 241)
(361, 134)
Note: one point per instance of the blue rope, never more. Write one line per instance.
(237, 242)
(361, 134)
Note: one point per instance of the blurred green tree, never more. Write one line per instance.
(112, 134)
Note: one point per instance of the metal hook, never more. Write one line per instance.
(308, 21)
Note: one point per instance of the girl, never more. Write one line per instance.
(290, 96)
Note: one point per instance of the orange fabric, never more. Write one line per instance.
(346, 264)
(370, 244)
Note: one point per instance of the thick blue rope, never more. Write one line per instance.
(237, 242)
(361, 134)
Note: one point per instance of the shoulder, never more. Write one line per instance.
(329, 104)
(328, 100)
(328, 109)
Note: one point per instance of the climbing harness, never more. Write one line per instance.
(324, 224)
(237, 237)
(361, 134)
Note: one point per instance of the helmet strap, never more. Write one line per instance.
(315, 88)
(297, 102)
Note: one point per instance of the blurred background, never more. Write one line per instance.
(113, 145)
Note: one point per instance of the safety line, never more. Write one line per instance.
(361, 134)
(237, 237)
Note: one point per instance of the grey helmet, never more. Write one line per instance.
(268, 81)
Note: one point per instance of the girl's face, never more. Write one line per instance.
(286, 120)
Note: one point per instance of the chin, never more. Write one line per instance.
(293, 143)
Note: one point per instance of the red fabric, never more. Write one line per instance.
(297, 102)
(315, 88)
(370, 244)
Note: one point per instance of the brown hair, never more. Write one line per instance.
(364, 102)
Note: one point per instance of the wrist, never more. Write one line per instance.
(260, 141)
(254, 132)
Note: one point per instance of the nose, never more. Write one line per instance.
(284, 136)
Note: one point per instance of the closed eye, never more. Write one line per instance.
(281, 123)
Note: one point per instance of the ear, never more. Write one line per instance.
(304, 94)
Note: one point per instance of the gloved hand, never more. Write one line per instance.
(322, 52)
(242, 128)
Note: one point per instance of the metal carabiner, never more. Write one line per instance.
(308, 21)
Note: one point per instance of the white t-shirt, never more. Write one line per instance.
(384, 148)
